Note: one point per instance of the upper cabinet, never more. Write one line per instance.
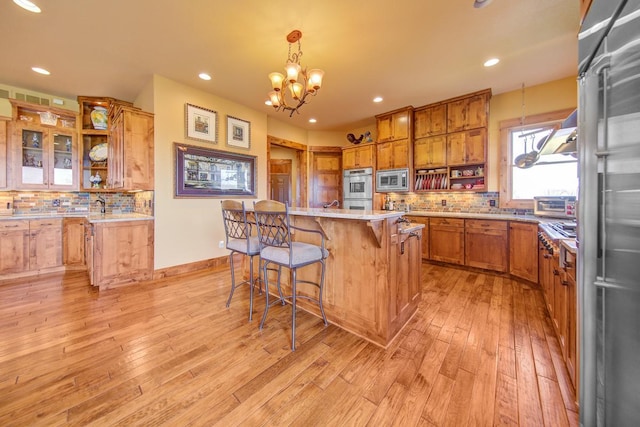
(394, 149)
(43, 148)
(131, 149)
(429, 121)
(450, 143)
(117, 145)
(468, 113)
(395, 125)
(361, 156)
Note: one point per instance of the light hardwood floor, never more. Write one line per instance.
(480, 351)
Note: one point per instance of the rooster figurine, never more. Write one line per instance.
(352, 138)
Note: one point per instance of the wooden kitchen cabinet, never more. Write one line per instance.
(73, 242)
(45, 243)
(404, 275)
(424, 241)
(486, 244)
(467, 148)
(446, 240)
(393, 155)
(469, 112)
(3, 153)
(130, 149)
(429, 120)
(559, 317)
(523, 250)
(572, 351)
(361, 156)
(430, 152)
(395, 125)
(43, 153)
(14, 246)
(120, 252)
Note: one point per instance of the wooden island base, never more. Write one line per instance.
(372, 274)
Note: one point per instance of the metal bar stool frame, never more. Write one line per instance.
(276, 247)
(238, 231)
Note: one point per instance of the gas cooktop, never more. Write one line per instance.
(564, 229)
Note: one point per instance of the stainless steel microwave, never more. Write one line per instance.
(392, 180)
(555, 206)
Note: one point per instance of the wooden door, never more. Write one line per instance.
(326, 176)
(45, 243)
(446, 240)
(73, 242)
(486, 244)
(384, 155)
(523, 251)
(14, 246)
(424, 241)
(281, 188)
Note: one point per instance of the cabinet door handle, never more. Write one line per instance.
(556, 272)
(11, 226)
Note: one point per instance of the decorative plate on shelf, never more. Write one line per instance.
(99, 152)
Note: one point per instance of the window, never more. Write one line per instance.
(524, 175)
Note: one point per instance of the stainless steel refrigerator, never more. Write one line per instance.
(609, 214)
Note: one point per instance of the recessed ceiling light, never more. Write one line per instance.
(268, 102)
(377, 99)
(26, 4)
(480, 3)
(204, 76)
(41, 70)
(312, 120)
(491, 62)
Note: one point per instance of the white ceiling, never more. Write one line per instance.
(411, 52)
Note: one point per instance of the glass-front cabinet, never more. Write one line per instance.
(44, 148)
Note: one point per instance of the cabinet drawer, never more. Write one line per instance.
(453, 222)
(13, 225)
(37, 224)
(486, 224)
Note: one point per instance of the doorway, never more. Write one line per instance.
(297, 172)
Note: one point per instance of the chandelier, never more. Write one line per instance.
(300, 82)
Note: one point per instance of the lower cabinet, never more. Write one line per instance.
(523, 250)
(424, 241)
(405, 277)
(30, 245)
(14, 246)
(73, 242)
(119, 251)
(446, 240)
(572, 353)
(486, 244)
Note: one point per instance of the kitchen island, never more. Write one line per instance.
(372, 281)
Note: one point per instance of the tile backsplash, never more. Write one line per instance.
(39, 202)
(486, 203)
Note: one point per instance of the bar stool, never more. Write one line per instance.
(239, 239)
(276, 247)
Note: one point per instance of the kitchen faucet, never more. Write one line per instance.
(102, 202)
(334, 203)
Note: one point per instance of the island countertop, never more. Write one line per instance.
(345, 213)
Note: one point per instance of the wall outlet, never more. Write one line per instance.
(221, 244)
(492, 203)
(444, 202)
(56, 203)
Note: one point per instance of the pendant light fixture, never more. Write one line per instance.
(290, 92)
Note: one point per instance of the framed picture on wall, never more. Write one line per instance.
(203, 172)
(201, 124)
(238, 132)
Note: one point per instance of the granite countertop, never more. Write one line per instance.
(345, 213)
(91, 217)
(478, 215)
(570, 244)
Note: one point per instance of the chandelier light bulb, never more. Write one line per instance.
(275, 99)
(292, 70)
(276, 81)
(297, 89)
(315, 78)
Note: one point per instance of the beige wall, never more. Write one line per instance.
(188, 230)
(544, 98)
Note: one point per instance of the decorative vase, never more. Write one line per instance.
(99, 118)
